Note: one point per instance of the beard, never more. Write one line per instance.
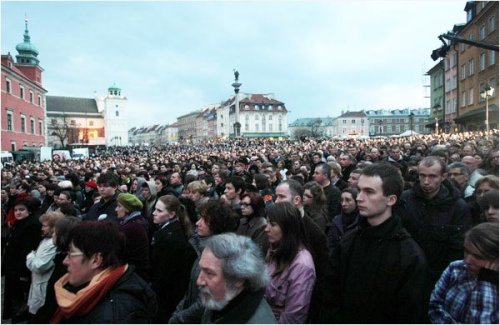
(210, 303)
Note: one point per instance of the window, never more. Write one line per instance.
(462, 72)
(247, 107)
(279, 108)
(23, 124)
(72, 122)
(10, 121)
(256, 107)
(455, 58)
(353, 121)
(246, 126)
(13, 146)
(256, 127)
(40, 127)
(464, 98)
(8, 86)
(270, 117)
(482, 32)
(471, 67)
(91, 123)
(492, 57)
(21, 92)
(482, 61)
(270, 107)
(471, 96)
(32, 126)
(270, 127)
(279, 127)
(344, 121)
(31, 97)
(117, 113)
(256, 117)
(40, 101)
(492, 24)
(462, 47)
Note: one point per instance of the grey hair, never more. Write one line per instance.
(464, 169)
(241, 260)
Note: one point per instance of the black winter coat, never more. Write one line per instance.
(438, 225)
(377, 274)
(172, 257)
(130, 301)
(103, 207)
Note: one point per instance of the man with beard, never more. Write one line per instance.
(232, 281)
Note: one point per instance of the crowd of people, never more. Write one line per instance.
(394, 230)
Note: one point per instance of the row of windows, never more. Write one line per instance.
(10, 124)
(8, 88)
(472, 93)
(269, 118)
(484, 30)
(482, 64)
(353, 121)
(270, 129)
(263, 107)
(13, 146)
(395, 128)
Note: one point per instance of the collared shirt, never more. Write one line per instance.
(459, 297)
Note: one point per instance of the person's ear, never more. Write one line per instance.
(96, 261)
(391, 200)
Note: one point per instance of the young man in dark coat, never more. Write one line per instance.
(436, 216)
(378, 273)
(105, 209)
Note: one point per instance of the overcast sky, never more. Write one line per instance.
(173, 57)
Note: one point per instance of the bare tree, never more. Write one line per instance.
(316, 128)
(60, 130)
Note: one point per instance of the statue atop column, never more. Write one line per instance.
(236, 75)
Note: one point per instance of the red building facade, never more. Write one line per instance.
(23, 98)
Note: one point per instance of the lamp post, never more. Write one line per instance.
(437, 110)
(236, 85)
(486, 94)
(380, 127)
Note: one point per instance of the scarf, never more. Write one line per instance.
(82, 302)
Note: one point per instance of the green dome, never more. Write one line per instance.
(27, 52)
(27, 47)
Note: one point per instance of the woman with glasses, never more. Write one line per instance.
(467, 291)
(253, 221)
(289, 264)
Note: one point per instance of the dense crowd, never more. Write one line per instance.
(389, 230)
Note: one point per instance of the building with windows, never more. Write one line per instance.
(437, 77)
(153, 135)
(393, 122)
(23, 98)
(312, 127)
(88, 121)
(351, 124)
(260, 116)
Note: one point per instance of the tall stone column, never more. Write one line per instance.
(236, 85)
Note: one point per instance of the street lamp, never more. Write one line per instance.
(411, 123)
(437, 110)
(486, 94)
(380, 127)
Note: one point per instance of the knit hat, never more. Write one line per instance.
(129, 201)
(91, 184)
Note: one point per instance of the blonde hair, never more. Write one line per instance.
(51, 218)
(197, 186)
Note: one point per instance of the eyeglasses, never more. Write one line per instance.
(70, 255)
(244, 204)
(455, 174)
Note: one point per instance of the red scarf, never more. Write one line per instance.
(82, 302)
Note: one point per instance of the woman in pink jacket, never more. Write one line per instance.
(289, 264)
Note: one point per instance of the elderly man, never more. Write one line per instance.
(98, 288)
(232, 281)
(458, 173)
(474, 174)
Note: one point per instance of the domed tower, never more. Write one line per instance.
(115, 117)
(27, 52)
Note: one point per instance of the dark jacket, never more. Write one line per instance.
(318, 214)
(341, 226)
(135, 228)
(172, 257)
(332, 194)
(254, 228)
(103, 207)
(246, 308)
(438, 225)
(377, 274)
(130, 301)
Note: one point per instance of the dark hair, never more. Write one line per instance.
(219, 216)
(257, 203)
(108, 179)
(325, 168)
(190, 208)
(392, 181)
(490, 198)
(433, 160)
(68, 209)
(318, 195)
(238, 183)
(289, 219)
(261, 181)
(295, 188)
(104, 237)
(354, 192)
(62, 228)
(25, 187)
(172, 203)
(484, 237)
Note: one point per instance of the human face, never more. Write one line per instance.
(316, 159)
(307, 197)
(430, 179)
(106, 191)
(80, 268)
(202, 227)
(5, 195)
(214, 292)
(46, 230)
(395, 154)
(352, 181)
(175, 179)
(230, 192)
(120, 210)
(473, 258)
(194, 196)
(468, 151)
(283, 194)
(21, 212)
(273, 232)
(42, 189)
(145, 192)
(347, 202)
(246, 206)
(458, 176)
(319, 176)
(159, 185)
(134, 186)
(161, 214)
(372, 203)
(470, 162)
(344, 161)
(63, 199)
(491, 214)
(482, 189)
